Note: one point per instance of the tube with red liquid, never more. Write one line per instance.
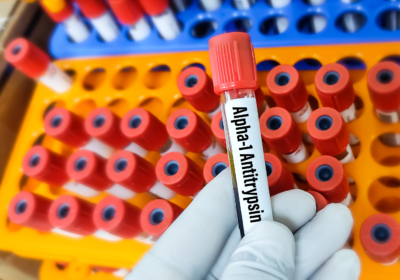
(279, 178)
(215, 165)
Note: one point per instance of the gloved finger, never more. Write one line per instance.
(320, 238)
(343, 265)
(292, 208)
(266, 252)
(189, 248)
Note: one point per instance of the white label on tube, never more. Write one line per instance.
(302, 115)
(121, 192)
(388, 117)
(98, 147)
(211, 5)
(106, 27)
(172, 146)
(212, 113)
(66, 233)
(162, 191)
(243, 4)
(140, 30)
(56, 79)
(213, 149)
(279, 3)
(249, 176)
(297, 156)
(80, 189)
(347, 156)
(76, 28)
(121, 273)
(349, 114)
(167, 24)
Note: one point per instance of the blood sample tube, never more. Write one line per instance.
(380, 238)
(34, 63)
(105, 126)
(69, 129)
(289, 92)
(217, 127)
(157, 216)
(210, 5)
(325, 175)
(62, 11)
(193, 133)
(97, 13)
(282, 134)
(197, 88)
(135, 174)
(329, 134)
(180, 174)
(215, 165)
(130, 13)
(279, 178)
(243, 4)
(279, 3)
(320, 200)
(162, 17)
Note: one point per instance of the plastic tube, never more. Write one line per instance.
(217, 127)
(243, 4)
(279, 3)
(210, 5)
(279, 178)
(215, 165)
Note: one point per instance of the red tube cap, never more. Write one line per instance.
(89, 169)
(279, 178)
(27, 58)
(180, 174)
(383, 82)
(127, 11)
(217, 127)
(319, 200)
(197, 88)
(104, 125)
(66, 127)
(334, 87)
(144, 129)
(30, 210)
(92, 8)
(287, 88)
(232, 62)
(72, 214)
(328, 131)
(61, 15)
(131, 171)
(117, 217)
(215, 165)
(380, 238)
(189, 130)
(280, 131)
(158, 215)
(45, 166)
(154, 7)
(325, 175)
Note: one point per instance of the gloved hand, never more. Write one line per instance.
(204, 242)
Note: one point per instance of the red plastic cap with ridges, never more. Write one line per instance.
(104, 125)
(217, 127)
(89, 169)
(287, 88)
(189, 130)
(154, 7)
(385, 247)
(280, 131)
(62, 15)
(214, 165)
(279, 178)
(27, 58)
(127, 11)
(118, 217)
(328, 131)
(66, 127)
(325, 175)
(383, 82)
(144, 129)
(131, 171)
(72, 214)
(92, 8)
(334, 87)
(180, 174)
(158, 215)
(320, 200)
(30, 210)
(45, 166)
(197, 88)
(232, 62)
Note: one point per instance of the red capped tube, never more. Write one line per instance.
(45, 166)
(180, 174)
(279, 178)
(320, 200)
(58, 16)
(215, 165)
(158, 215)
(217, 127)
(325, 175)
(30, 210)
(380, 238)
(282, 134)
(92, 8)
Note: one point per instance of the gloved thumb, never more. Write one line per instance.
(266, 252)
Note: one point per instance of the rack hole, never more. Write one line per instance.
(385, 149)
(389, 20)
(124, 78)
(157, 77)
(204, 28)
(312, 24)
(199, 65)
(240, 24)
(353, 63)
(307, 64)
(393, 58)
(351, 22)
(153, 105)
(274, 25)
(384, 194)
(267, 65)
(313, 102)
(119, 106)
(94, 79)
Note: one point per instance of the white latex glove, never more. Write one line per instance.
(204, 242)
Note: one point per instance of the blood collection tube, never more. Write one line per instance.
(243, 4)
(215, 165)
(282, 134)
(320, 200)
(36, 64)
(130, 13)
(279, 3)
(217, 127)
(329, 134)
(135, 174)
(180, 174)
(69, 129)
(325, 175)
(197, 88)
(157, 216)
(97, 13)
(235, 78)
(279, 178)
(162, 17)
(210, 5)
(105, 126)
(289, 92)
(380, 238)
